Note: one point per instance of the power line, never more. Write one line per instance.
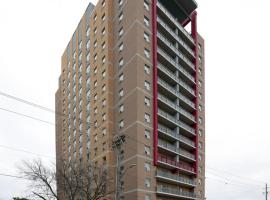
(57, 113)
(24, 151)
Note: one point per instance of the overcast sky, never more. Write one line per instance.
(34, 33)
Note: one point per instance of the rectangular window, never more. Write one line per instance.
(88, 44)
(121, 47)
(103, 31)
(147, 118)
(121, 93)
(146, 21)
(147, 183)
(121, 124)
(147, 134)
(146, 69)
(147, 150)
(147, 166)
(120, 16)
(146, 5)
(103, 60)
(88, 32)
(120, 2)
(103, 45)
(146, 85)
(146, 37)
(146, 101)
(103, 3)
(121, 77)
(147, 53)
(103, 17)
(121, 108)
(121, 62)
(121, 32)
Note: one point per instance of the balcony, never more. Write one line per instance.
(168, 58)
(178, 123)
(184, 113)
(174, 136)
(176, 23)
(170, 33)
(176, 51)
(169, 88)
(172, 164)
(172, 192)
(185, 86)
(173, 149)
(171, 178)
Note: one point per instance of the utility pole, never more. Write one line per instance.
(266, 192)
(116, 145)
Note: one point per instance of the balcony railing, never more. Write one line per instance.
(176, 178)
(180, 82)
(175, 36)
(177, 122)
(175, 164)
(177, 66)
(175, 22)
(176, 150)
(177, 94)
(173, 105)
(175, 50)
(175, 135)
(175, 192)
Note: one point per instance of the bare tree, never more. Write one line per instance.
(68, 182)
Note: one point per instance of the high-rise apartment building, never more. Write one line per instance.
(132, 68)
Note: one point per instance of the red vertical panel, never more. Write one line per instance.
(195, 37)
(155, 104)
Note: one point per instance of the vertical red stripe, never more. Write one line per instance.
(155, 91)
(195, 37)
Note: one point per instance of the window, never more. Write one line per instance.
(200, 157)
(121, 47)
(103, 102)
(103, 3)
(96, 124)
(120, 2)
(121, 108)
(103, 17)
(95, 111)
(146, 37)
(121, 124)
(104, 117)
(80, 45)
(147, 118)
(103, 45)
(88, 32)
(147, 183)
(200, 96)
(95, 57)
(103, 88)
(200, 71)
(200, 145)
(147, 197)
(146, 21)
(95, 84)
(147, 150)
(147, 134)
(147, 166)
(200, 133)
(95, 44)
(121, 77)
(147, 53)
(95, 30)
(103, 146)
(121, 93)
(146, 69)
(146, 5)
(103, 60)
(103, 74)
(88, 69)
(200, 120)
(121, 62)
(74, 55)
(146, 101)
(95, 70)
(200, 108)
(146, 85)
(95, 97)
(95, 17)
(120, 16)
(103, 31)
(121, 31)
(200, 83)
(104, 131)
